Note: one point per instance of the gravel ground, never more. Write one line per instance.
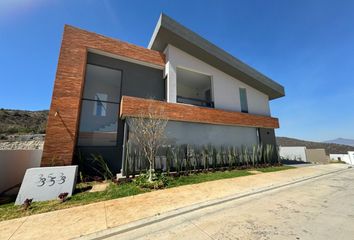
(22, 142)
(21, 145)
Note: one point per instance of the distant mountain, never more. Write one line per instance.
(343, 141)
(329, 147)
(22, 122)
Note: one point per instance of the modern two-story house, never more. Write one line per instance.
(208, 96)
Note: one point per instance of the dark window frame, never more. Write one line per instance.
(243, 101)
(93, 100)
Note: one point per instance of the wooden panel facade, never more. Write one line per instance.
(133, 107)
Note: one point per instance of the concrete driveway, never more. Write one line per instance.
(321, 208)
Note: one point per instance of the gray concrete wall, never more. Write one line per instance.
(137, 80)
(204, 134)
(267, 136)
(13, 165)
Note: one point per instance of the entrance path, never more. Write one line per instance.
(83, 220)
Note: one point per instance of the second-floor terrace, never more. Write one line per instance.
(194, 88)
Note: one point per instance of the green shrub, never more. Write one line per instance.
(159, 181)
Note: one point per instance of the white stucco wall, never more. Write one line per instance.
(225, 89)
(348, 158)
(342, 157)
(293, 153)
(351, 157)
(216, 135)
(14, 163)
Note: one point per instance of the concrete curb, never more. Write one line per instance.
(110, 232)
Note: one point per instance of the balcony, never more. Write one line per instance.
(194, 88)
(195, 101)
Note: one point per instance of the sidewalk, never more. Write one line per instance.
(79, 221)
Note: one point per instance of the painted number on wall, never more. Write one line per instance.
(50, 179)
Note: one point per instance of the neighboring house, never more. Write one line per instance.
(209, 96)
(300, 153)
(348, 158)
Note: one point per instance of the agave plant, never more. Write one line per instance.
(204, 156)
(268, 153)
(175, 152)
(218, 157)
(230, 157)
(199, 158)
(260, 153)
(233, 156)
(192, 156)
(215, 157)
(245, 155)
(254, 155)
(169, 158)
(237, 156)
(221, 156)
(133, 163)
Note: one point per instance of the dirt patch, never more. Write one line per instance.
(254, 172)
(99, 187)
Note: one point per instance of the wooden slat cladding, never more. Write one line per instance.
(133, 107)
(62, 128)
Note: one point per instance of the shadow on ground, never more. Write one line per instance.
(293, 162)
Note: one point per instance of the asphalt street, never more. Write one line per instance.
(321, 208)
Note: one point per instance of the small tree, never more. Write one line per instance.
(147, 131)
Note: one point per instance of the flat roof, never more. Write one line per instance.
(168, 31)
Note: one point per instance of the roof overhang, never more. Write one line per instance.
(168, 31)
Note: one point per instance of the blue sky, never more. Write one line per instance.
(307, 46)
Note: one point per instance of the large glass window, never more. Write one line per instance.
(243, 100)
(100, 107)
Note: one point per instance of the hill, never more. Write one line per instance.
(22, 122)
(329, 147)
(342, 141)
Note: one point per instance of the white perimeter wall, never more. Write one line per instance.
(348, 158)
(203, 134)
(293, 153)
(351, 157)
(225, 89)
(13, 165)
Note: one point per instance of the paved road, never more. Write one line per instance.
(318, 209)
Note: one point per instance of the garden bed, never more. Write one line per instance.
(134, 186)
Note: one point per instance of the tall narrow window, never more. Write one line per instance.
(243, 100)
(100, 107)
